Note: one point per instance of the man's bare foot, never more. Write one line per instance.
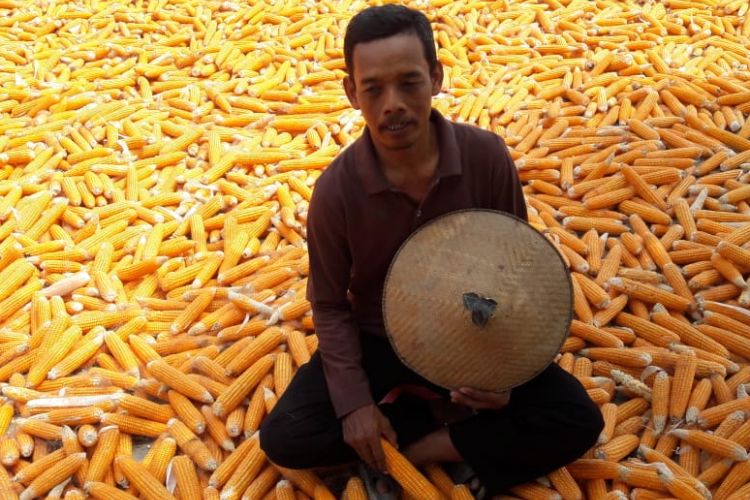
(462, 473)
(434, 447)
(379, 486)
(336, 477)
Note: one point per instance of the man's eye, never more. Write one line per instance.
(371, 90)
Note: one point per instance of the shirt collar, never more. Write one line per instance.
(372, 175)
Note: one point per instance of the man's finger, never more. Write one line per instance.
(364, 452)
(463, 400)
(473, 403)
(486, 396)
(389, 433)
(480, 395)
(457, 397)
(378, 455)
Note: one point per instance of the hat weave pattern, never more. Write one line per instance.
(477, 298)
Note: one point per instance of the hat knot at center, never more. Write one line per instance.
(482, 308)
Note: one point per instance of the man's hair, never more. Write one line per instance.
(385, 21)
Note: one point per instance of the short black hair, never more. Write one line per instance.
(385, 21)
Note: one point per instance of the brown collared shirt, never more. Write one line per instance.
(357, 222)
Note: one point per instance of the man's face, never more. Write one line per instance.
(391, 84)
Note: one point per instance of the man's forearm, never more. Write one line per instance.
(341, 352)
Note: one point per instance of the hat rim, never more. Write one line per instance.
(566, 272)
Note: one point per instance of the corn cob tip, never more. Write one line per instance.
(218, 409)
(658, 309)
(615, 282)
(643, 450)
(28, 494)
(663, 471)
(679, 433)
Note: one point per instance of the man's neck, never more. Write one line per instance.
(416, 161)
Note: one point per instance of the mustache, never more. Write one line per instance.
(395, 121)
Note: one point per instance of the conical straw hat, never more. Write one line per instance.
(477, 298)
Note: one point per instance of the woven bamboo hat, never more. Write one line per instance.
(477, 298)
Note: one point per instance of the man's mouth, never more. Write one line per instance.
(396, 127)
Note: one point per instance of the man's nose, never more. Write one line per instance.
(393, 101)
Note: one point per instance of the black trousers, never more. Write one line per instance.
(549, 422)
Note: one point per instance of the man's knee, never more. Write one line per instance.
(590, 425)
(579, 419)
(275, 442)
(583, 431)
(302, 439)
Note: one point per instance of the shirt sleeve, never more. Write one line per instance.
(507, 190)
(328, 282)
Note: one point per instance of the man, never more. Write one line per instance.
(410, 166)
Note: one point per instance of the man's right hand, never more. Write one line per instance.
(362, 431)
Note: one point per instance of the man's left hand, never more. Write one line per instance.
(480, 400)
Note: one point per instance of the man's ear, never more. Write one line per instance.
(351, 91)
(437, 75)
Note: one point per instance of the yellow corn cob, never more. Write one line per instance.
(134, 425)
(682, 385)
(263, 344)
(212, 386)
(192, 446)
(710, 443)
(72, 416)
(257, 408)
(26, 475)
(211, 368)
(104, 491)
(186, 477)
(178, 381)
(187, 412)
(221, 475)
(246, 470)
(163, 454)
(53, 476)
(6, 415)
(297, 347)
(142, 349)
(262, 484)
(13, 276)
(9, 452)
(147, 485)
(284, 490)
(406, 474)
(102, 457)
(241, 387)
(234, 422)
(269, 400)
(52, 356)
(76, 358)
(650, 294)
(87, 435)
(192, 312)
(141, 407)
(217, 429)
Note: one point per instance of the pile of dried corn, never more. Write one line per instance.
(136, 138)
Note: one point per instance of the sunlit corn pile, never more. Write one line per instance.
(156, 163)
